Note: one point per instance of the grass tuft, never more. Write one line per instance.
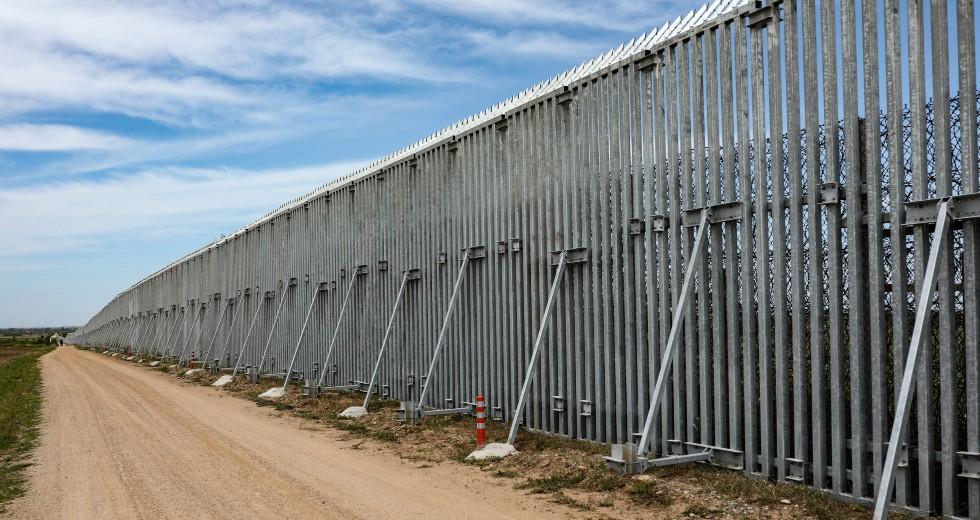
(646, 493)
(552, 484)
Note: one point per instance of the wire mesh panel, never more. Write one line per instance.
(814, 137)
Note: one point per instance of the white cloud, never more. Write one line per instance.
(532, 43)
(192, 63)
(147, 205)
(47, 138)
(615, 15)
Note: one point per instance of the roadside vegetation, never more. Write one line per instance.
(20, 409)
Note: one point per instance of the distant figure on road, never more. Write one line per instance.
(56, 339)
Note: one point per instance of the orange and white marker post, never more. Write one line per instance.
(190, 361)
(481, 421)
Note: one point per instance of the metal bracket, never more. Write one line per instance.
(413, 274)
(515, 245)
(557, 404)
(720, 456)
(475, 252)
(585, 408)
(467, 410)
(969, 465)
(648, 61)
(310, 388)
(724, 212)
(796, 470)
(659, 223)
(293, 281)
(829, 193)
(760, 16)
(501, 124)
(961, 207)
(408, 413)
(497, 414)
(637, 226)
(441, 257)
(625, 458)
(575, 255)
(339, 388)
(565, 96)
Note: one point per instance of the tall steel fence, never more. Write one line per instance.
(755, 201)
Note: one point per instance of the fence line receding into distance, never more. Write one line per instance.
(810, 162)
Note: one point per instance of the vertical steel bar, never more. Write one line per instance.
(966, 53)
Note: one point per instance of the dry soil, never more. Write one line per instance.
(120, 441)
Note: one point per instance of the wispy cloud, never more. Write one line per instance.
(545, 44)
(146, 205)
(185, 63)
(616, 15)
(47, 138)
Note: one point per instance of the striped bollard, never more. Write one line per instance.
(481, 421)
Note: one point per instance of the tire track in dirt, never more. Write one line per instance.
(119, 441)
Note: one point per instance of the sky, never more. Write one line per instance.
(135, 131)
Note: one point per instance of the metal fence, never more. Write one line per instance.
(573, 216)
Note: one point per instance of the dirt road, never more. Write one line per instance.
(121, 441)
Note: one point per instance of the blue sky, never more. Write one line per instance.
(132, 132)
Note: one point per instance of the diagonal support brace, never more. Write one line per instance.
(217, 327)
(275, 322)
(239, 304)
(359, 270)
(904, 403)
(673, 338)
(561, 259)
(302, 331)
(468, 253)
(248, 334)
(411, 274)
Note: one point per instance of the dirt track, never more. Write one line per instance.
(120, 441)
